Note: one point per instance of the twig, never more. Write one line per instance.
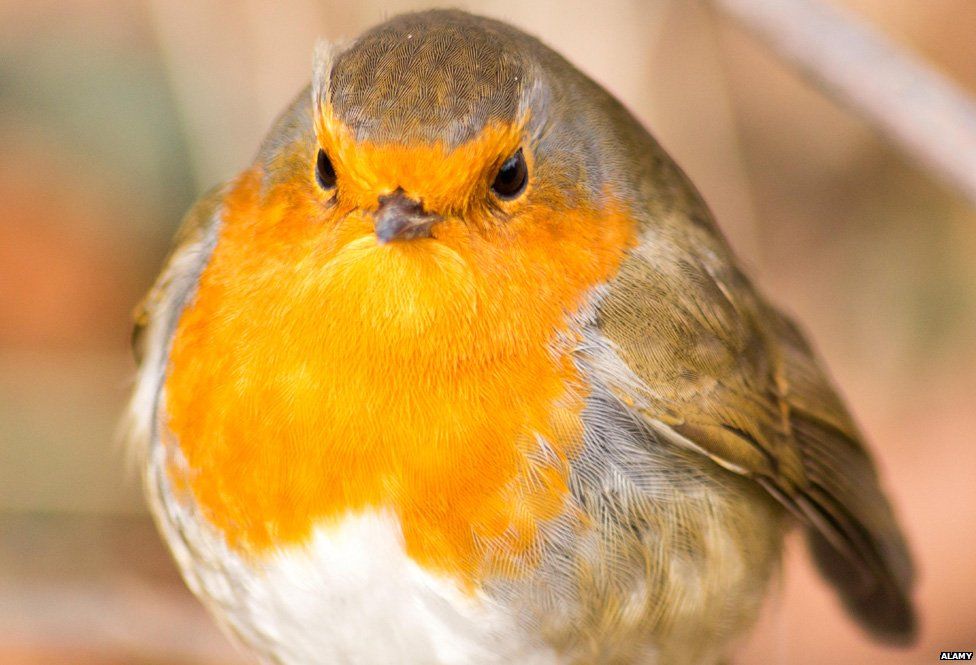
(904, 98)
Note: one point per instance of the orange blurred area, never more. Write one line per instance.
(116, 114)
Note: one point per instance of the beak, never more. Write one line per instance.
(401, 218)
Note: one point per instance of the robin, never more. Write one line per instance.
(461, 370)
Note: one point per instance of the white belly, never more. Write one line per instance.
(350, 596)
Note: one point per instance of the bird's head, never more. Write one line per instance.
(431, 124)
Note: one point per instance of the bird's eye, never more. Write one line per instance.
(325, 173)
(512, 177)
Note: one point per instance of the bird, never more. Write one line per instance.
(461, 369)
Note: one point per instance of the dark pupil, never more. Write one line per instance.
(512, 177)
(324, 172)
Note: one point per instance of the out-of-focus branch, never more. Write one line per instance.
(119, 618)
(905, 99)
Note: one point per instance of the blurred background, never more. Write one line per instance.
(116, 114)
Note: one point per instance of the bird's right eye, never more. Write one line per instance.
(512, 177)
(325, 173)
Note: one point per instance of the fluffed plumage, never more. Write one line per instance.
(561, 428)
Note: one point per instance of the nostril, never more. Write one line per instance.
(398, 202)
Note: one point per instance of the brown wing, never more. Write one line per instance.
(725, 373)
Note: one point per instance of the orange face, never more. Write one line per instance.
(319, 373)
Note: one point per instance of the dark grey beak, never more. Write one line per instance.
(401, 218)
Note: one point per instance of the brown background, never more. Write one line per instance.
(114, 114)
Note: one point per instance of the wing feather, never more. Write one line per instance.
(735, 379)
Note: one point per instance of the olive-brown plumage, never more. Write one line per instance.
(466, 332)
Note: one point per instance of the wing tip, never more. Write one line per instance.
(888, 615)
(879, 602)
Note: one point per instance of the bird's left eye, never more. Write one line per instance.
(325, 173)
(512, 177)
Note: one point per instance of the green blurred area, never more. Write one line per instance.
(93, 180)
(114, 114)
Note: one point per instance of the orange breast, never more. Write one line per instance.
(317, 374)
